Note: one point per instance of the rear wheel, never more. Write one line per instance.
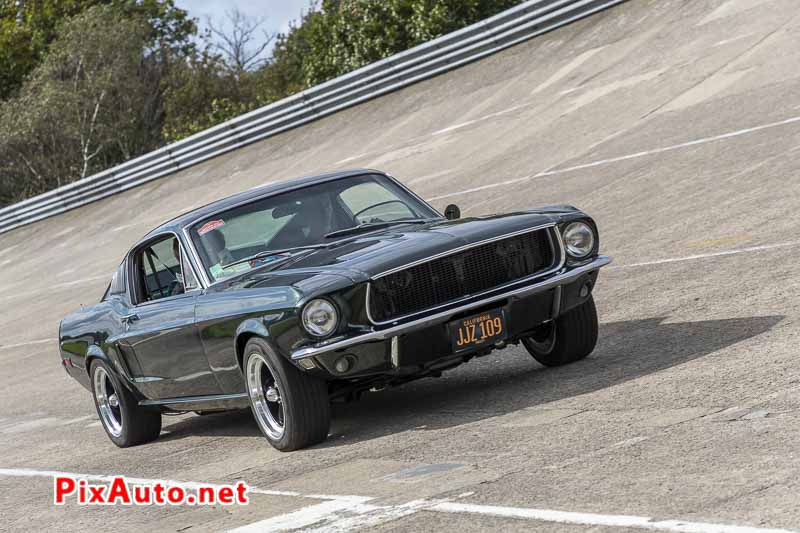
(292, 409)
(567, 339)
(125, 421)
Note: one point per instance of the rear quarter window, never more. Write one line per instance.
(117, 287)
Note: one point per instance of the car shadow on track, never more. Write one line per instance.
(239, 423)
(509, 380)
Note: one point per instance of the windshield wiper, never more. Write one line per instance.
(271, 253)
(375, 225)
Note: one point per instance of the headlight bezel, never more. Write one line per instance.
(305, 318)
(572, 252)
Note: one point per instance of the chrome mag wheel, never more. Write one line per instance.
(107, 401)
(265, 396)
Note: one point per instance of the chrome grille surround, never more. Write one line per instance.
(557, 259)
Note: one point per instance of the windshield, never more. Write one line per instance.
(301, 218)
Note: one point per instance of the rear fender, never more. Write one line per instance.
(113, 360)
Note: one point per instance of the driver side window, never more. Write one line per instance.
(158, 270)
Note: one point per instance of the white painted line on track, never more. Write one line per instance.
(481, 118)
(484, 187)
(21, 425)
(103, 277)
(567, 69)
(696, 142)
(593, 519)
(351, 158)
(26, 343)
(76, 420)
(732, 39)
(62, 285)
(344, 513)
(696, 257)
(456, 126)
(420, 138)
(370, 516)
(302, 518)
(8, 249)
(645, 153)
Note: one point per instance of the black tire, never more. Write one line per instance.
(137, 424)
(567, 339)
(303, 402)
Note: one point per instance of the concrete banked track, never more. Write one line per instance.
(676, 123)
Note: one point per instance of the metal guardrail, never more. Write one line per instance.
(468, 44)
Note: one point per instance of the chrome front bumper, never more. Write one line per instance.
(393, 331)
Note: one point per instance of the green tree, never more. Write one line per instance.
(90, 104)
(339, 36)
(87, 84)
(216, 82)
(26, 33)
(201, 92)
(331, 38)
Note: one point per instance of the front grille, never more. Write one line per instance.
(459, 275)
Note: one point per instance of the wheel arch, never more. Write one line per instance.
(95, 352)
(247, 330)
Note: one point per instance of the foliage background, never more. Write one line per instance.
(88, 84)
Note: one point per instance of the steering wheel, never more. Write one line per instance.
(383, 203)
(174, 285)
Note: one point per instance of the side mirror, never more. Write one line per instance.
(452, 212)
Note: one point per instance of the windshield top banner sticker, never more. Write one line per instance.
(208, 226)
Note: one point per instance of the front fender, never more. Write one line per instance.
(252, 327)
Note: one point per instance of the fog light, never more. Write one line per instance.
(587, 287)
(308, 364)
(342, 365)
(395, 352)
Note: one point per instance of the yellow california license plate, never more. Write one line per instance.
(478, 330)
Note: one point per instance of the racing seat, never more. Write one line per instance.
(215, 247)
(314, 218)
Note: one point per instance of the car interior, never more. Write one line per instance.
(159, 271)
(301, 218)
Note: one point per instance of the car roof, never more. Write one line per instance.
(177, 224)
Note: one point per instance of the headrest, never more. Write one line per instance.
(214, 241)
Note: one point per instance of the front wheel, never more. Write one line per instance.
(567, 339)
(125, 421)
(292, 409)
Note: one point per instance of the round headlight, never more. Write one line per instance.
(320, 317)
(578, 239)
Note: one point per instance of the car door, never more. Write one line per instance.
(160, 326)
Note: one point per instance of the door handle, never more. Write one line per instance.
(127, 319)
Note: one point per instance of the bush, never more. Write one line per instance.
(343, 35)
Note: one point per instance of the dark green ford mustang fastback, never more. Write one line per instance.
(289, 296)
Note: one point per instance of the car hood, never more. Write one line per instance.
(364, 256)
